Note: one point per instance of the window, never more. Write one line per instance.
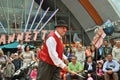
(116, 5)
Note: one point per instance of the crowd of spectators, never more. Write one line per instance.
(87, 61)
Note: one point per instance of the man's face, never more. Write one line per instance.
(105, 43)
(73, 60)
(118, 44)
(61, 30)
(109, 58)
(79, 48)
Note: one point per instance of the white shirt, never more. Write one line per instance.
(80, 55)
(51, 45)
(116, 53)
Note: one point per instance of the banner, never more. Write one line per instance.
(98, 38)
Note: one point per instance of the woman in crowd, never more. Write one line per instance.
(9, 70)
(69, 54)
(88, 51)
(90, 68)
(27, 56)
(3, 60)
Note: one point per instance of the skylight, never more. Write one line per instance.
(116, 6)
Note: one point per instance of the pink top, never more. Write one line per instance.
(90, 78)
(100, 72)
(33, 74)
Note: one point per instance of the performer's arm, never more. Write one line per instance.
(65, 59)
(51, 44)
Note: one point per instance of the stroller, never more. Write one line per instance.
(22, 73)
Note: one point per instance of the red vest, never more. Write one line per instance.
(43, 54)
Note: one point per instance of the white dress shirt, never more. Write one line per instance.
(51, 45)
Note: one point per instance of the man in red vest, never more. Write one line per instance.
(51, 56)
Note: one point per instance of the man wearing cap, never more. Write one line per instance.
(51, 56)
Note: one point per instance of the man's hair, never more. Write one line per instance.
(109, 54)
(74, 57)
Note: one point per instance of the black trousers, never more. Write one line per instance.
(47, 71)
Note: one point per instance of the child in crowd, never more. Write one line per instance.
(89, 77)
(33, 73)
(100, 73)
(63, 74)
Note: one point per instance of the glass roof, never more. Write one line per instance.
(16, 12)
(116, 6)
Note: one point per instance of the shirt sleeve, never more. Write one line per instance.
(80, 67)
(64, 57)
(51, 45)
(104, 67)
(116, 67)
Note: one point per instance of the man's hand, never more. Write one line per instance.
(85, 70)
(109, 71)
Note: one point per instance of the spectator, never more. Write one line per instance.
(80, 54)
(9, 70)
(69, 54)
(110, 68)
(99, 53)
(75, 46)
(27, 56)
(20, 47)
(90, 67)
(12, 56)
(37, 51)
(93, 49)
(99, 71)
(106, 49)
(63, 74)
(33, 73)
(116, 52)
(74, 66)
(16, 62)
(89, 77)
(88, 51)
(94, 52)
(36, 54)
(3, 60)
